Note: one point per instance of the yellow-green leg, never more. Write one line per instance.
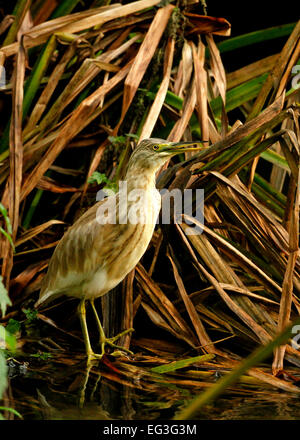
(84, 384)
(108, 341)
(82, 316)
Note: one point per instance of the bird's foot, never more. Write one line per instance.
(111, 343)
(118, 350)
(91, 356)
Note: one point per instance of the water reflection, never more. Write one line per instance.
(119, 389)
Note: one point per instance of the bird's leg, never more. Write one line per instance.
(100, 328)
(109, 341)
(82, 317)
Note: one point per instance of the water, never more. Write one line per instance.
(63, 388)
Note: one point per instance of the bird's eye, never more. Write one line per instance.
(155, 147)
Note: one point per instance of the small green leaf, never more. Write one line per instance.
(98, 178)
(101, 178)
(43, 355)
(13, 326)
(117, 140)
(31, 314)
(112, 185)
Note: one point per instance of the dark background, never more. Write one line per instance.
(249, 16)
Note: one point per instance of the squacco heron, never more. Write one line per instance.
(107, 242)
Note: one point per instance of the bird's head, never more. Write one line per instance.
(151, 154)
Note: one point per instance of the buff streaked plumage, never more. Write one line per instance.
(94, 256)
(88, 250)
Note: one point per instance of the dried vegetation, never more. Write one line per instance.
(81, 87)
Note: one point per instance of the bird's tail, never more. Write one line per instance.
(46, 297)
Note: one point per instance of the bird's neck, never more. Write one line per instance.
(140, 180)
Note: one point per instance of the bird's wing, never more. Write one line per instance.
(83, 249)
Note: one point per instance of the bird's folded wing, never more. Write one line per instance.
(84, 248)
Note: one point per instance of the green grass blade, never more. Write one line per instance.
(9, 238)
(239, 95)
(39, 70)
(234, 98)
(267, 187)
(276, 159)
(173, 366)
(244, 157)
(250, 38)
(267, 200)
(3, 211)
(12, 410)
(19, 12)
(32, 208)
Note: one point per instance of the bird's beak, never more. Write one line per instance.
(180, 147)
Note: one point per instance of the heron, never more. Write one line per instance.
(108, 240)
